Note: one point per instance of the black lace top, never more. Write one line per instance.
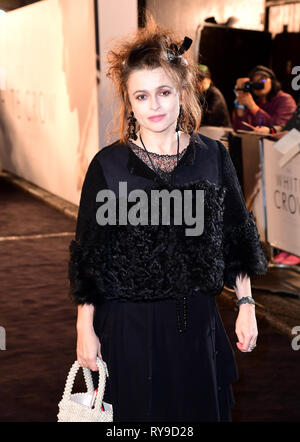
(163, 163)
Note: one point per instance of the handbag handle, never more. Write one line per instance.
(103, 372)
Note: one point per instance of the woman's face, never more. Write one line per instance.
(267, 84)
(154, 99)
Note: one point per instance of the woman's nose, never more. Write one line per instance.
(154, 103)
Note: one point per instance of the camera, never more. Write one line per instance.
(250, 86)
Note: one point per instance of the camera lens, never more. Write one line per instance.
(247, 86)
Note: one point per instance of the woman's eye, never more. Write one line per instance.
(143, 96)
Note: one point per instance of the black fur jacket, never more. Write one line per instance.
(151, 262)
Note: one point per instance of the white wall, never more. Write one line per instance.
(117, 19)
(53, 117)
(48, 95)
(284, 15)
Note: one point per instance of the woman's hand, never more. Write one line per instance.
(88, 344)
(240, 82)
(262, 129)
(88, 347)
(246, 328)
(245, 97)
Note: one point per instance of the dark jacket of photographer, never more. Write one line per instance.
(294, 121)
(214, 108)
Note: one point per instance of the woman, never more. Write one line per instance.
(268, 106)
(146, 292)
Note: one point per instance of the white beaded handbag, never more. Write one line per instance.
(78, 407)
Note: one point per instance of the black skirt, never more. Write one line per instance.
(157, 373)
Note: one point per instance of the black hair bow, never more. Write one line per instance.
(173, 51)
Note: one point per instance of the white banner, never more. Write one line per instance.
(252, 179)
(283, 200)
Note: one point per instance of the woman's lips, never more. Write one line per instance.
(157, 117)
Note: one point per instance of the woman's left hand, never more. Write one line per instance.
(246, 328)
(247, 99)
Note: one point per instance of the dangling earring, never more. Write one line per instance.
(179, 119)
(131, 131)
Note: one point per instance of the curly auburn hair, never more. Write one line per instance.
(148, 49)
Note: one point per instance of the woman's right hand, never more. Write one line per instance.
(88, 347)
(262, 129)
(240, 83)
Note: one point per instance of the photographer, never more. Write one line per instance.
(260, 101)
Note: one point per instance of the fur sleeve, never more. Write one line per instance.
(243, 253)
(83, 286)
